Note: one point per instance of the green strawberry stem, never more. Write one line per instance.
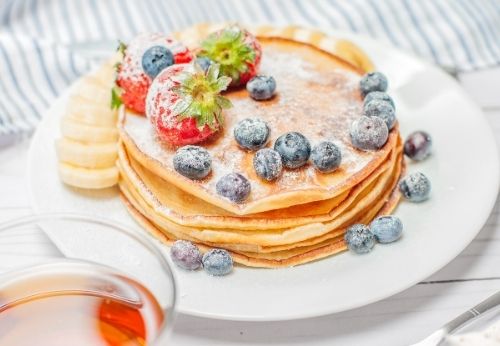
(116, 91)
(199, 96)
(122, 47)
(116, 100)
(229, 49)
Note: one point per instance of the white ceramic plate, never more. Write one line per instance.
(464, 171)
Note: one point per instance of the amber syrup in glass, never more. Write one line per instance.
(77, 305)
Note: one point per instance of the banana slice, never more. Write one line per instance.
(88, 178)
(90, 113)
(86, 155)
(87, 151)
(106, 74)
(88, 133)
(355, 55)
(91, 89)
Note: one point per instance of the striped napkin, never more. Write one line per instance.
(42, 42)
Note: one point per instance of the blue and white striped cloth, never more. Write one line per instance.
(38, 59)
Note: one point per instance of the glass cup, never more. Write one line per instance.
(110, 285)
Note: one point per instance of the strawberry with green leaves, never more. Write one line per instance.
(185, 103)
(236, 51)
(143, 58)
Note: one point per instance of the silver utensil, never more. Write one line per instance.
(438, 336)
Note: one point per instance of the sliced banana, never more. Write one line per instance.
(87, 151)
(106, 74)
(87, 133)
(86, 155)
(354, 54)
(90, 113)
(91, 89)
(88, 178)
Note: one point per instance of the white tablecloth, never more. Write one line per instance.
(41, 40)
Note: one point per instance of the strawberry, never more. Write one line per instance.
(132, 81)
(236, 50)
(184, 103)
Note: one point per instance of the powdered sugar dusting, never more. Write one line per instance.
(317, 98)
(159, 95)
(139, 45)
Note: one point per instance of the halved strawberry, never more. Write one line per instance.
(236, 50)
(132, 82)
(184, 103)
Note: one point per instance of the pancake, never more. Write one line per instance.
(318, 95)
(363, 205)
(182, 208)
(301, 217)
(262, 251)
(327, 248)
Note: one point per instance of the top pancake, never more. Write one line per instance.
(317, 95)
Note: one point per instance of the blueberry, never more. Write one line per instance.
(418, 145)
(415, 187)
(359, 238)
(381, 109)
(294, 149)
(267, 164)
(192, 162)
(373, 81)
(155, 59)
(261, 87)
(326, 157)
(369, 133)
(251, 133)
(386, 229)
(203, 62)
(233, 186)
(186, 255)
(379, 95)
(217, 262)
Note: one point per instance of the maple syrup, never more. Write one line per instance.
(77, 304)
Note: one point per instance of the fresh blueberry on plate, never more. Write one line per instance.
(261, 87)
(359, 239)
(418, 145)
(203, 62)
(192, 161)
(379, 95)
(234, 187)
(415, 187)
(387, 229)
(369, 133)
(373, 81)
(294, 149)
(251, 133)
(186, 255)
(326, 157)
(217, 262)
(267, 164)
(381, 109)
(156, 59)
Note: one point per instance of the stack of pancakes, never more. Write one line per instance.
(300, 217)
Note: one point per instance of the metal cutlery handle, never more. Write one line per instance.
(470, 314)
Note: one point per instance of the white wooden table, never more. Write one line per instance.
(399, 320)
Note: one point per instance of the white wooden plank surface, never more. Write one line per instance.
(398, 320)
